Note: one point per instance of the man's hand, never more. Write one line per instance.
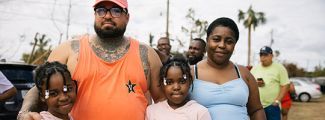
(29, 116)
(260, 82)
(276, 103)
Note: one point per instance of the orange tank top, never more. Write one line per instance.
(109, 91)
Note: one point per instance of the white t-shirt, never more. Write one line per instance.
(5, 84)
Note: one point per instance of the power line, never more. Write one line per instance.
(52, 17)
(41, 18)
(50, 3)
(54, 23)
(21, 40)
(30, 16)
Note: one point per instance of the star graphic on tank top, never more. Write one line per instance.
(130, 86)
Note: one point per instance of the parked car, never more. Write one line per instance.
(21, 76)
(321, 82)
(306, 90)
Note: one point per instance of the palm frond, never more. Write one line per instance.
(241, 15)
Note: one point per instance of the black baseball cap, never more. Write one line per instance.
(266, 50)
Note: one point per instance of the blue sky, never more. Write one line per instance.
(298, 25)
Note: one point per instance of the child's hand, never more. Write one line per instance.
(29, 116)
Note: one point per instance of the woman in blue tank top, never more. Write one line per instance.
(228, 91)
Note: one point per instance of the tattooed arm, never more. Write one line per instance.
(151, 64)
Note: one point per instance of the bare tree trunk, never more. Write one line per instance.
(41, 57)
(151, 40)
(32, 53)
(191, 36)
(249, 46)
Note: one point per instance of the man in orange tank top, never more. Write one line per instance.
(116, 74)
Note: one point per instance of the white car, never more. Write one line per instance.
(306, 90)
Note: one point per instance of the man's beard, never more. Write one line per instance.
(109, 33)
(194, 60)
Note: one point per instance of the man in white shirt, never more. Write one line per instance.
(7, 90)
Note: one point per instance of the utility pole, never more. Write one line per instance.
(68, 22)
(167, 20)
(60, 38)
(150, 39)
(272, 40)
(53, 21)
(307, 65)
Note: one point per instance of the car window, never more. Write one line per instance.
(309, 82)
(296, 83)
(18, 75)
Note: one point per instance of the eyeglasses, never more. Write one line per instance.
(114, 11)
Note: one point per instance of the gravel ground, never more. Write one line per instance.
(313, 110)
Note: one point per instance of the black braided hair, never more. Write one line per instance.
(44, 72)
(175, 61)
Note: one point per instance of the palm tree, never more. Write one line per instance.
(251, 18)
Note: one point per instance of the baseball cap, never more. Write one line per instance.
(266, 50)
(121, 3)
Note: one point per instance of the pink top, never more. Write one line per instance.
(190, 111)
(48, 116)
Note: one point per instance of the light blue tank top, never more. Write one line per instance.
(224, 102)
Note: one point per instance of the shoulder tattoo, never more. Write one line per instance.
(75, 46)
(145, 61)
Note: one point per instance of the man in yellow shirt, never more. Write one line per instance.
(273, 81)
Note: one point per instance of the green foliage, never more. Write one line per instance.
(251, 18)
(319, 71)
(294, 71)
(197, 27)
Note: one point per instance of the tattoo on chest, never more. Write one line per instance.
(144, 59)
(110, 53)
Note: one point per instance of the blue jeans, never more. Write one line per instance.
(272, 112)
